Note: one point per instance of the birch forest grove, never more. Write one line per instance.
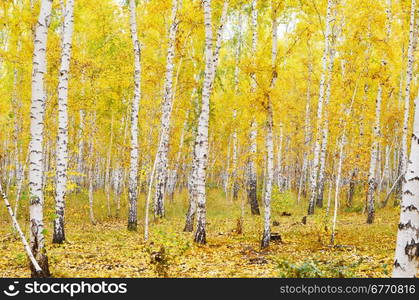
(209, 138)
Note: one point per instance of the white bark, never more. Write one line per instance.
(372, 180)
(91, 172)
(36, 166)
(409, 73)
(80, 133)
(201, 143)
(147, 203)
(161, 155)
(216, 53)
(108, 171)
(190, 215)
(337, 185)
(325, 131)
(227, 171)
(406, 262)
(385, 178)
(307, 135)
(269, 142)
(20, 186)
(325, 62)
(389, 17)
(214, 64)
(279, 176)
(175, 175)
(28, 250)
(237, 91)
(251, 166)
(133, 172)
(62, 140)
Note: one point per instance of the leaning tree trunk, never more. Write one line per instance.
(62, 141)
(251, 166)
(406, 262)
(36, 163)
(372, 180)
(161, 155)
(325, 62)
(133, 171)
(28, 250)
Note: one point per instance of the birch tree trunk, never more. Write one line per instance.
(406, 261)
(80, 162)
(201, 143)
(190, 215)
(237, 91)
(91, 172)
(20, 186)
(36, 166)
(325, 132)
(251, 166)
(372, 180)
(108, 171)
(28, 250)
(307, 135)
(409, 74)
(269, 142)
(161, 155)
(62, 140)
(325, 62)
(279, 176)
(337, 185)
(175, 175)
(133, 171)
(214, 64)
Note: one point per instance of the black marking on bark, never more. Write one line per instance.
(407, 192)
(411, 207)
(397, 264)
(412, 249)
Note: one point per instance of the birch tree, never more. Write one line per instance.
(317, 144)
(409, 74)
(36, 160)
(37, 268)
(133, 171)
(201, 143)
(161, 156)
(406, 261)
(235, 186)
(62, 140)
(192, 209)
(269, 140)
(325, 132)
(251, 167)
(80, 152)
(372, 180)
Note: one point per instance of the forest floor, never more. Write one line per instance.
(107, 249)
